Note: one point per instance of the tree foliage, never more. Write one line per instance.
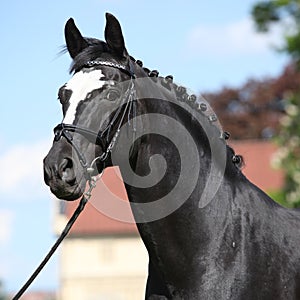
(284, 12)
(265, 14)
(253, 110)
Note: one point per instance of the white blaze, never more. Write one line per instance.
(81, 84)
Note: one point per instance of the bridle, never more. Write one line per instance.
(101, 138)
(98, 138)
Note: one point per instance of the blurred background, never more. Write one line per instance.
(243, 58)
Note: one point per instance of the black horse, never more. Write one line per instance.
(209, 232)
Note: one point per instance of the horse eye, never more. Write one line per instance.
(112, 95)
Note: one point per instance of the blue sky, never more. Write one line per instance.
(204, 44)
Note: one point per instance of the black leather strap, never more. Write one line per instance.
(92, 136)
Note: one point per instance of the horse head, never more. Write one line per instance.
(93, 90)
(110, 89)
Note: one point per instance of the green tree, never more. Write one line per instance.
(287, 13)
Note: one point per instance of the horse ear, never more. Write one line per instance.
(113, 35)
(74, 40)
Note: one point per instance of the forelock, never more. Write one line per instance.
(96, 49)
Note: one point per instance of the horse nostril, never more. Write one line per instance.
(66, 171)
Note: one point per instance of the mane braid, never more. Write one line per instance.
(98, 48)
(200, 105)
(181, 93)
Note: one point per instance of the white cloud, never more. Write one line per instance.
(6, 220)
(22, 169)
(239, 38)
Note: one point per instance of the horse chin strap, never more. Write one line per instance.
(98, 139)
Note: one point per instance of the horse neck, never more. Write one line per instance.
(189, 236)
(184, 221)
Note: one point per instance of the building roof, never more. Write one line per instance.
(38, 295)
(109, 204)
(102, 213)
(257, 155)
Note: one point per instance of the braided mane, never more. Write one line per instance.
(198, 103)
(99, 49)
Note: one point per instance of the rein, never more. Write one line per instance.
(98, 139)
(84, 199)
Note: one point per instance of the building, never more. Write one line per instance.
(37, 295)
(258, 155)
(103, 258)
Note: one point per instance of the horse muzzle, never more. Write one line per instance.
(65, 179)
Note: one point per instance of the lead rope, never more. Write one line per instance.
(84, 199)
